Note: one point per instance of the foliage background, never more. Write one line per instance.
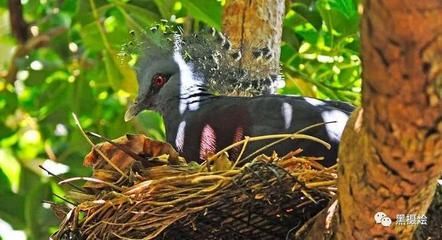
(80, 70)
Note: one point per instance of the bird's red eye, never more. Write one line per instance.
(159, 79)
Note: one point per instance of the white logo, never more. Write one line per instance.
(401, 219)
(386, 221)
(378, 216)
(383, 219)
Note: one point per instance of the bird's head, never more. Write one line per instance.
(155, 82)
(162, 74)
(171, 67)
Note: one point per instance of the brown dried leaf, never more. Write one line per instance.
(222, 162)
(141, 146)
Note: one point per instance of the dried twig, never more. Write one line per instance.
(77, 122)
(167, 197)
(62, 179)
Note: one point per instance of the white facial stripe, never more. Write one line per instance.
(287, 113)
(179, 140)
(188, 82)
(314, 102)
(334, 130)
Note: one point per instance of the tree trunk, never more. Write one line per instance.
(391, 150)
(255, 27)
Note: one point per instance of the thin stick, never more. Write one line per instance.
(321, 184)
(94, 147)
(246, 138)
(119, 146)
(91, 180)
(64, 199)
(313, 126)
(285, 138)
(264, 147)
(274, 136)
(62, 179)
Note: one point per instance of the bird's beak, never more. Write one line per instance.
(133, 111)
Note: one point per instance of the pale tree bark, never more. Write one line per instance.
(253, 26)
(391, 151)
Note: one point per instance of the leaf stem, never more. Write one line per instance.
(99, 26)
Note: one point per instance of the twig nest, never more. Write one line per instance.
(156, 194)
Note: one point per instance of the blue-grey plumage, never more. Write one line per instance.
(182, 79)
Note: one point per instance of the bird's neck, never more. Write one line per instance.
(190, 94)
(190, 90)
(188, 100)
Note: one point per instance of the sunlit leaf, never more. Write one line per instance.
(309, 12)
(308, 34)
(141, 16)
(9, 164)
(339, 15)
(165, 7)
(119, 73)
(346, 7)
(91, 37)
(208, 11)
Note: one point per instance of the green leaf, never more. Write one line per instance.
(12, 209)
(33, 10)
(84, 14)
(8, 103)
(346, 7)
(208, 11)
(34, 211)
(113, 75)
(8, 163)
(339, 15)
(70, 6)
(91, 37)
(5, 185)
(120, 75)
(289, 37)
(308, 34)
(153, 122)
(117, 31)
(165, 7)
(137, 15)
(309, 13)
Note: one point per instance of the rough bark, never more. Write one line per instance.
(391, 151)
(253, 25)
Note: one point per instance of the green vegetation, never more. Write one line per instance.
(77, 68)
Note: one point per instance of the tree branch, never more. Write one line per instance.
(390, 152)
(30, 45)
(19, 27)
(255, 28)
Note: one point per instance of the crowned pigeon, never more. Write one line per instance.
(178, 78)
